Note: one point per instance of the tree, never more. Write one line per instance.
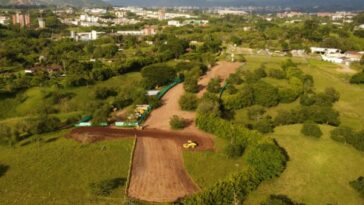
(101, 115)
(311, 129)
(177, 122)
(265, 94)
(191, 82)
(342, 134)
(103, 93)
(268, 160)
(214, 85)
(243, 98)
(279, 200)
(256, 112)
(158, 75)
(357, 78)
(188, 102)
(264, 125)
(358, 185)
(234, 150)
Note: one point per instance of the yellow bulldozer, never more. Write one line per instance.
(190, 145)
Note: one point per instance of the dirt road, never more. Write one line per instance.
(158, 174)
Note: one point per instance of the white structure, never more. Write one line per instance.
(147, 31)
(86, 36)
(361, 26)
(3, 20)
(319, 50)
(41, 23)
(175, 23)
(231, 12)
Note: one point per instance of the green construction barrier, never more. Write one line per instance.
(168, 87)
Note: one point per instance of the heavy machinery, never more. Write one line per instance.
(190, 145)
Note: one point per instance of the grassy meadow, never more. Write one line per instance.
(60, 171)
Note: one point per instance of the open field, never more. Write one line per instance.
(59, 171)
(158, 174)
(318, 172)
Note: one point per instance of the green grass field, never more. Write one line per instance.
(318, 172)
(59, 171)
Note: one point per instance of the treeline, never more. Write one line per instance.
(347, 135)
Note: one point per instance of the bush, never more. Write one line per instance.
(234, 78)
(268, 160)
(342, 134)
(357, 78)
(243, 98)
(188, 102)
(264, 126)
(357, 140)
(105, 188)
(358, 185)
(177, 123)
(308, 99)
(234, 150)
(265, 94)
(311, 129)
(158, 75)
(279, 200)
(214, 85)
(287, 95)
(191, 83)
(256, 112)
(103, 93)
(277, 73)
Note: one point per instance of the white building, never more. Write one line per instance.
(86, 36)
(361, 26)
(147, 31)
(41, 23)
(3, 20)
(319, 50)
(175, 23)
(231, 12)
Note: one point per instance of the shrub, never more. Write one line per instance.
(3, 169)
(279, 200)
(260, 72)
(332, 94)
(264, 126)
(177, 123)
(265, 94)
(358, 185)
(234, 78)
(277, 73)
(214, 85)
(234, 150)
(105, 188)
(256, 112)
(243, 98)
(103, 93)
(158, 75)
(308, 99)
(357, 78)
(342, 134)
(311, 129)
(287, 95)
(268, 160)
(188, 102)
(357, 140)
(191, 83)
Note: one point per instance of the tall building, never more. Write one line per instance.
(23, 20)
(162, 14)
(41, 23)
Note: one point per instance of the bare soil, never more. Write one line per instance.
(158, 174)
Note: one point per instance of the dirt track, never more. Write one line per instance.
(158, 174)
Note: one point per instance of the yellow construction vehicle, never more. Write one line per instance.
(190, 144)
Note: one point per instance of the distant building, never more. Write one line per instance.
(175, 23)
(41, 23)
(23, 20)
(86, 36)
(146, 31)
(361, 26)
(3, 20)
(353, 56)
(231, 12)
(162, 14)
(318, 50)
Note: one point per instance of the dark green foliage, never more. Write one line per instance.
(268, 160)
(317, 114)
(3, 169)
(256, 112)
(357, 140)
(287, 95)
(260, 72)
(209, 104)
(265, 94)
(214, 85)
(103, 93)
(277, 73)
(308, 99)
(357, 78)
(101, 114)
(234, 150)
(158, 75)
(188, 102)
(264, 125)
(311, 129)
(43, 124)
(234, 78)
(342, 134)
(105, 188)
(279, 200)
(177, 123)
(190, 83)
(243, 98)
(358, 185)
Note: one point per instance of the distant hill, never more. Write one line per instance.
(299, 4)
(77, 3)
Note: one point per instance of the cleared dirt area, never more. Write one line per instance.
(158, 173)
